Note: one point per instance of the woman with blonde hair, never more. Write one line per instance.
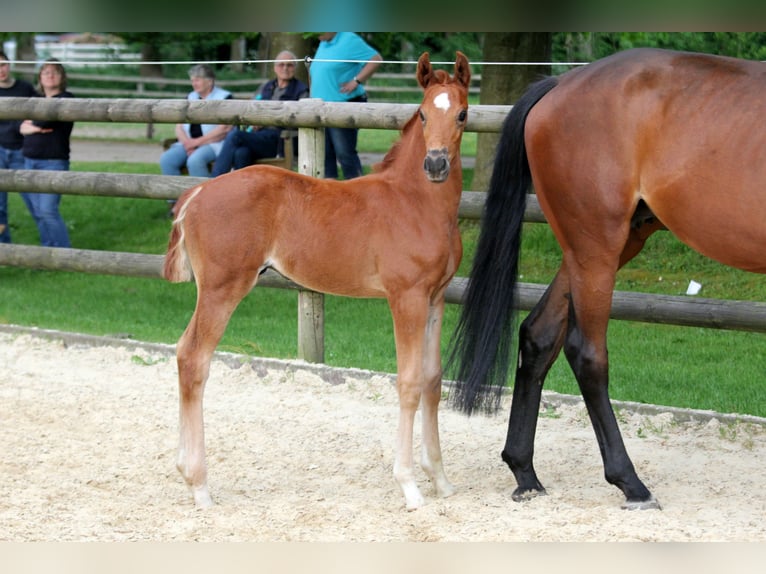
(46, 147)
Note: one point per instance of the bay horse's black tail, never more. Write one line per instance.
(481, 345)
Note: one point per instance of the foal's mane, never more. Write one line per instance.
(440, 77)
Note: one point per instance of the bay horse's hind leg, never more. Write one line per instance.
(194, 352)
(541, 336)
(585, 349)
(431, 456)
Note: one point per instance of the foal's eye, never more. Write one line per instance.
(461, 116)
(422, 116)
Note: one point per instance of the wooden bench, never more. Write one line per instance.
(287, 160)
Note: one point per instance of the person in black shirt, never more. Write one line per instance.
(46, 146)
(10, 138)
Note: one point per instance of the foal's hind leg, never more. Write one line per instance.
(540, 339)
(194, 353)
(431, 457)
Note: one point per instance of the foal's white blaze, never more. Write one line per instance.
(442, 101)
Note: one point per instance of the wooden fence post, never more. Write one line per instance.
(310, 303)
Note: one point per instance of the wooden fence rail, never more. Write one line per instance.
(307, 113)
(626, 305)
(309, 116)
(170, 187)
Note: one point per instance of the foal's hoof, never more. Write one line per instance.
(522, 495)
(444, 489)
(202, 498)
(412, 497)
(650, 504)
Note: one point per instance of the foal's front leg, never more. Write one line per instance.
(431, 457)
(410, 315)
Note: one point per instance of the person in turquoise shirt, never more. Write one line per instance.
(341, 65)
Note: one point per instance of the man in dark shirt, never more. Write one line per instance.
(243, 146)
(11, 139)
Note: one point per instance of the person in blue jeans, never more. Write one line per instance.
(46, 147)
(242, 147)
(342, 63)
(10, 136)
(198, 144)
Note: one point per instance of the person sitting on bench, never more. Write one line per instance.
(242, 147)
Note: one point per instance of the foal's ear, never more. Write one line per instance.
(425, 71)
(462, 70)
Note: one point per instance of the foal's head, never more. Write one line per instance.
(443, 113)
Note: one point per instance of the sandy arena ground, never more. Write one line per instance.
(305, 453)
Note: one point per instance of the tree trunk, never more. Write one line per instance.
(238, 53)
(25, 51)
(504, 84)
(150, 52)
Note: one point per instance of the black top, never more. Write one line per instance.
(51, 145)
(10, 137)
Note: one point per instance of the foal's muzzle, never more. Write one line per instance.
(436, 165)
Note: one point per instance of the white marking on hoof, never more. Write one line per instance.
(412, 497)
(202, 497)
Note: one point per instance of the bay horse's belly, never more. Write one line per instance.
(723, 222)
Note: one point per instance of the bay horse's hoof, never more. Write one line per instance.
(650, 504)
(522, 495)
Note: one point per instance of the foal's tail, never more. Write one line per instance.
(481, 345)
(177, 267)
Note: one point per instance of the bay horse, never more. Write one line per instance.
(639, 141)
(391, 234)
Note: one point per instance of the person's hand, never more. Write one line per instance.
(348, 87)
(190, 144)
(27, 127)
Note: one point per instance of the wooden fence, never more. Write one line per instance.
(382, 86)
(310, 116)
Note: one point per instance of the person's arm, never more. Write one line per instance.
(369, 69)
(363, 75)
(28, 127)
(181, 134)
(215, 135)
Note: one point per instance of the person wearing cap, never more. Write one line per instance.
(198, 144)
(242, 147)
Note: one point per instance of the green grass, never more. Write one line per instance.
(679, 366)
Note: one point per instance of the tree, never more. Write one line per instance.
(184, 46)
(502, 84)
